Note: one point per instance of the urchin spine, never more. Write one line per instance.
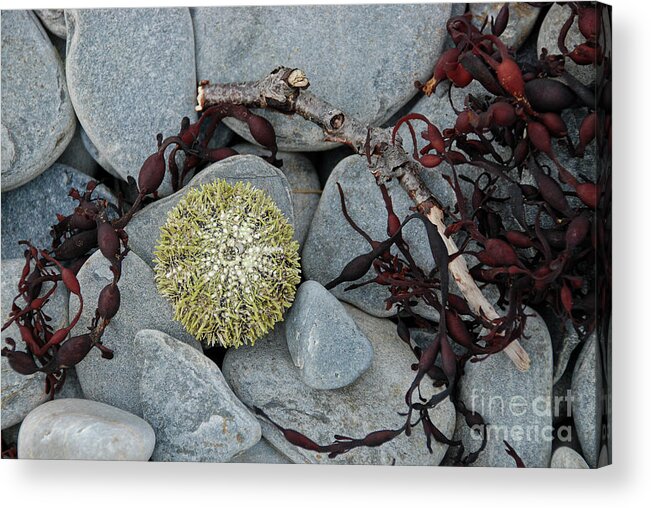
(227, 261)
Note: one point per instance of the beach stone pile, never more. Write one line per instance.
(84, 94)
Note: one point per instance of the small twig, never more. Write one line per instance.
(284, 90)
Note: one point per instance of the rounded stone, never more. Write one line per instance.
(264, 376)
(566, 458)
(326, 345)
(94, 153)
(522, 18)
(340, 48)
(588, 399)
(517, 406)
(194, 413)
(77, 429)
(332, 242)
(261, 453)
(548, 38)
(30, 211)
(77, 156)
(115, 381)
(54, 20)
(37, 117)
(20, 394)
(131, 75)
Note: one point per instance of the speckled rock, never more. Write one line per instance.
(261, 453)
(94, 153)
(522, 18)
(115, 381)
(264, 376)
(75, 429)
(221, 137)
(326, 345)
(20, 394)
(339, 48)
(29, 212)
(517, 406)
(565, 339)
(548, 38)
(112, 55)
(37, 121)
(587, 400)
(144, 229)
(303, 180)
(331, 242)
(77, 156)
(183, 394)
(54, 20)
(566, 458)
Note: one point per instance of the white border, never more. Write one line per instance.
(72, 484)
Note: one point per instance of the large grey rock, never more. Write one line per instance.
(331, 242)
(37, 116)
(563, 353)
(548, 38)
(131, 75)
(587, 400)
(458, 8)
(115, 381)
(20, 394)
(565, 339)
(185, 398)
(77, 156)
(566, 458)
(94, 153)
(30, 211)
(77, 429)
(303, 180)
(326, 345)
(54, 20)
(340, 47)
(517, 406)
(522, 18)
(265, 377)
(261, 453)
(144, 229)
(221, 137)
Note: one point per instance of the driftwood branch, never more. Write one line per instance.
(284, 90)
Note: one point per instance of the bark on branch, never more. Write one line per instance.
(284, 90)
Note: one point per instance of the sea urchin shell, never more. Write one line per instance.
(227, 263)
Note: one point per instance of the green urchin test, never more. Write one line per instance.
(227, 262)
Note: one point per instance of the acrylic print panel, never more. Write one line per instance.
(352, 234)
